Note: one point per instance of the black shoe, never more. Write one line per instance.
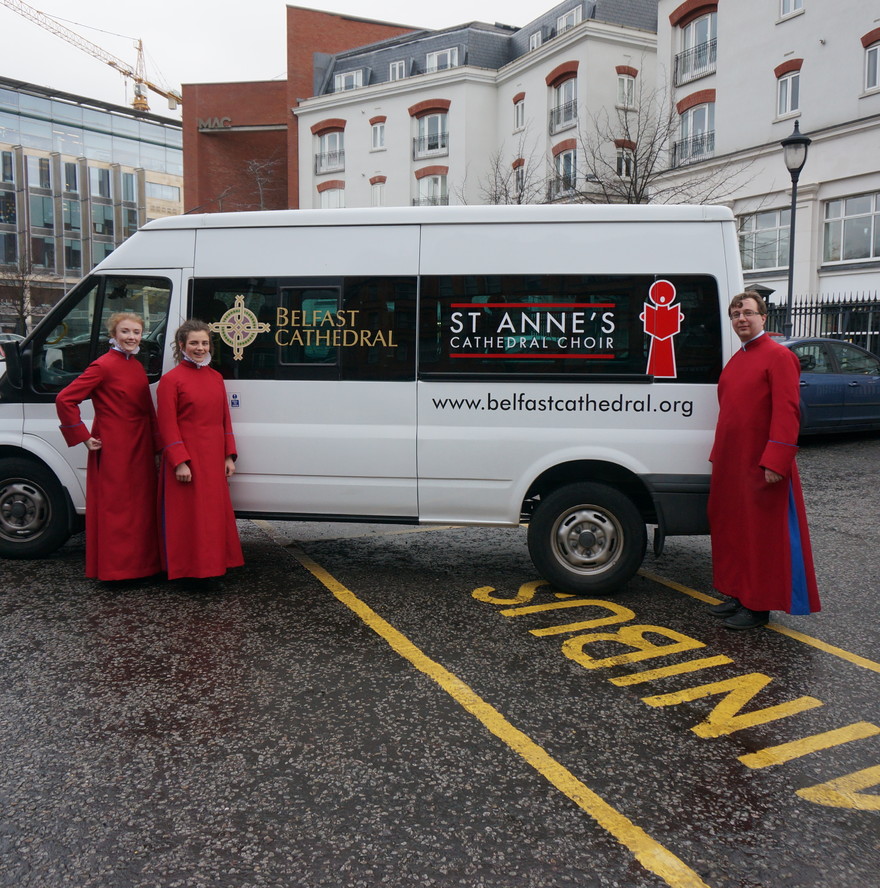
(747, 619)
(724, 609)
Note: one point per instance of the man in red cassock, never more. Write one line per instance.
(761, 555)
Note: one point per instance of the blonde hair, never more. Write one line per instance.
(119, 316)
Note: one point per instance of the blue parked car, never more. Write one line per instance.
(840, 385)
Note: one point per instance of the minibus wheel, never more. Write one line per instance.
(33, 510)
(587, 538)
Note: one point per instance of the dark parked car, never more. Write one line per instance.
(840, 385)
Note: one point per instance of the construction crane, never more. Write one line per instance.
(136, 74)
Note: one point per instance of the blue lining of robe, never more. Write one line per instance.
(800, 601)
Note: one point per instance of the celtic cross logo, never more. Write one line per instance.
(238, 327)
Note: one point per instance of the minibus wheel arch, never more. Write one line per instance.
(35, 510)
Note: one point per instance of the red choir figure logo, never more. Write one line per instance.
(662, 321)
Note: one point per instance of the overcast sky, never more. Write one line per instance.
(198, 41)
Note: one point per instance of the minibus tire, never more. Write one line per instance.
(587, 538)
(34, 519)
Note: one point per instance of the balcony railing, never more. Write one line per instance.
(330, 162)
(561, 187)
(695, 62)
(563, 116)
(437, 201)
(435, 145)
(699, 147)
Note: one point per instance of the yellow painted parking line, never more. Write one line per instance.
(817, 643)
(650, 854)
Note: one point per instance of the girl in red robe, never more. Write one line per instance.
(197, 526)
(122, 541)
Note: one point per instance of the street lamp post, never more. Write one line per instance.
(794, 152)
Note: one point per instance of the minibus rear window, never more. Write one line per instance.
(571, 325)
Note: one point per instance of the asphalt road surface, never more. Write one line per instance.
(380, 706)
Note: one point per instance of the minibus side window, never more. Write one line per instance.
(75, 333)
(310, 328)
(600, 326)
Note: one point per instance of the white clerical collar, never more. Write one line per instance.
(753, 339)
(198, 364)
(114, 345)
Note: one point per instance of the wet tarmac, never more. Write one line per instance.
(371, 706)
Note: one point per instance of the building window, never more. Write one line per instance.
(129, 222)
(565, 174)
(432, 192)
(7, 167)
(42, 212)
(397, 70)
(788, 94)
(71, 178)
(331, 152)
(128, 188)
(564, 111)
(626, 162)
(787, 7)
(872, 66)
(626, 91)
(377, 194)
(102, 219)
(8, 249)
(100, 251)
(7, 208)
(378, 136)
(162, 192)
(43, 252)
(852, 228)
(519, 114)
(433, 138)
(72, 255)
(764, 239)
(72, 214)
(699, 46)
(39, 172)
(348, 80)
(99, 181)
(535, 40)
(697, 135)
(569, 19)
(519, 179)
(440, 61)
(333, 199)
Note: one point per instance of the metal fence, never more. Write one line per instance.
(854, 317)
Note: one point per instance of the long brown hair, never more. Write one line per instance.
(193, 325)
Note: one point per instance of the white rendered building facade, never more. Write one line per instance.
(474, 114)
(741, 73)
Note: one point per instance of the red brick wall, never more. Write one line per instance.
(221, 167)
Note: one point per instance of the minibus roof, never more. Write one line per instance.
(449, 216)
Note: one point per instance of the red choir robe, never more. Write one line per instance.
(197, 530)
(761, 552)
(122, 541)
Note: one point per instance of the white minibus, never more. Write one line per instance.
(555, 365)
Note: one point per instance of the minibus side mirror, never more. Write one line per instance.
(13, 363)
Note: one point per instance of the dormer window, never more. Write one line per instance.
(348, 80)
(569, 19)
(397, 70)
(445, 58)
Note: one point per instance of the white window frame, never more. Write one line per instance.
(519, 115)
(568, 20)
(535, 40)
(333, 199)
(433, 126)
(565, 105)
(565, 172)
(872, 67)
(377, 136)
(377, 194)
(697, 121)
(626, 162)
(348, 80)
(790, 7)
(788, 94)
(397, 70)
(442, 60)
(764, 239)
(626, 91)
(330, 144)
(843, 215)
(433, 190)
(519, 179)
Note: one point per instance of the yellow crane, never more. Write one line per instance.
(136, 74)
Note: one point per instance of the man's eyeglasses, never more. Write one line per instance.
(744, 314)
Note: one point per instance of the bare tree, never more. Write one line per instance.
(16, 283)
(264, 175)
(522, 180)
(627, 156)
